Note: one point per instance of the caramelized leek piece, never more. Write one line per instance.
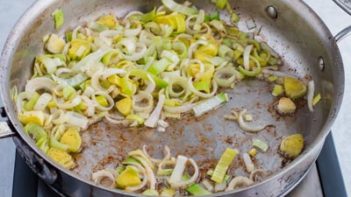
(286, 106)
(291, 146)
(294, 88)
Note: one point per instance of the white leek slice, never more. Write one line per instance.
(90, 60)
(247, 52)
(42, 102)
(76, 119)
(69, 105)
(143, 102)
(249, 128)
(239, 181)
(310, 95)
(178, 169)
(177, 174)
(170, 4)
(103, 174)
(50, 64)
(210, 104)
(155, 115)
(201, 94)
(112, 71)
(40, 83)
(179, 109)
(248, 163)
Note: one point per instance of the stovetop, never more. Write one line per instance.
(323, 179)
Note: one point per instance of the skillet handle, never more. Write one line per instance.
(346, 6)
(343, 34)
(34, 161)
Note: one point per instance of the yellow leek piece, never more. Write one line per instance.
(175, 20)
(172, 102)
(37, 117)
(294, 88)
(291, 146)
(114, 79)
(52, 104)
(127, 86)
(223, 165)
(102, 101)
(79, 49)
(133, 117)
(124, 106)
(81, 107)
(205, 53)
(253, 152)
(128, 178)
(193, 69)
(61, 157)
(72, 138)
(316, 99)
(204, 81)
(277, 90)
(108, 21)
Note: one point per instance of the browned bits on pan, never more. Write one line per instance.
(228, 140)
(105, 161)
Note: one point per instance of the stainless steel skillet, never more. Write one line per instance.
(294, 31)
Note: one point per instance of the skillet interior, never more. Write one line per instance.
(299, 41)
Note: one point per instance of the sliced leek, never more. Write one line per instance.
(223, 165)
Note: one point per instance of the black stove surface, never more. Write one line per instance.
(324, 179)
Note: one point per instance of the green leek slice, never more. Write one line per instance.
(260, 144)
(210, 104)
(59, 18)
(197, 190)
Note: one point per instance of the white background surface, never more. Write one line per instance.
(333, 16)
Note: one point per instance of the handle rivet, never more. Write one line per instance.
(321, 63)
(272, 12)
